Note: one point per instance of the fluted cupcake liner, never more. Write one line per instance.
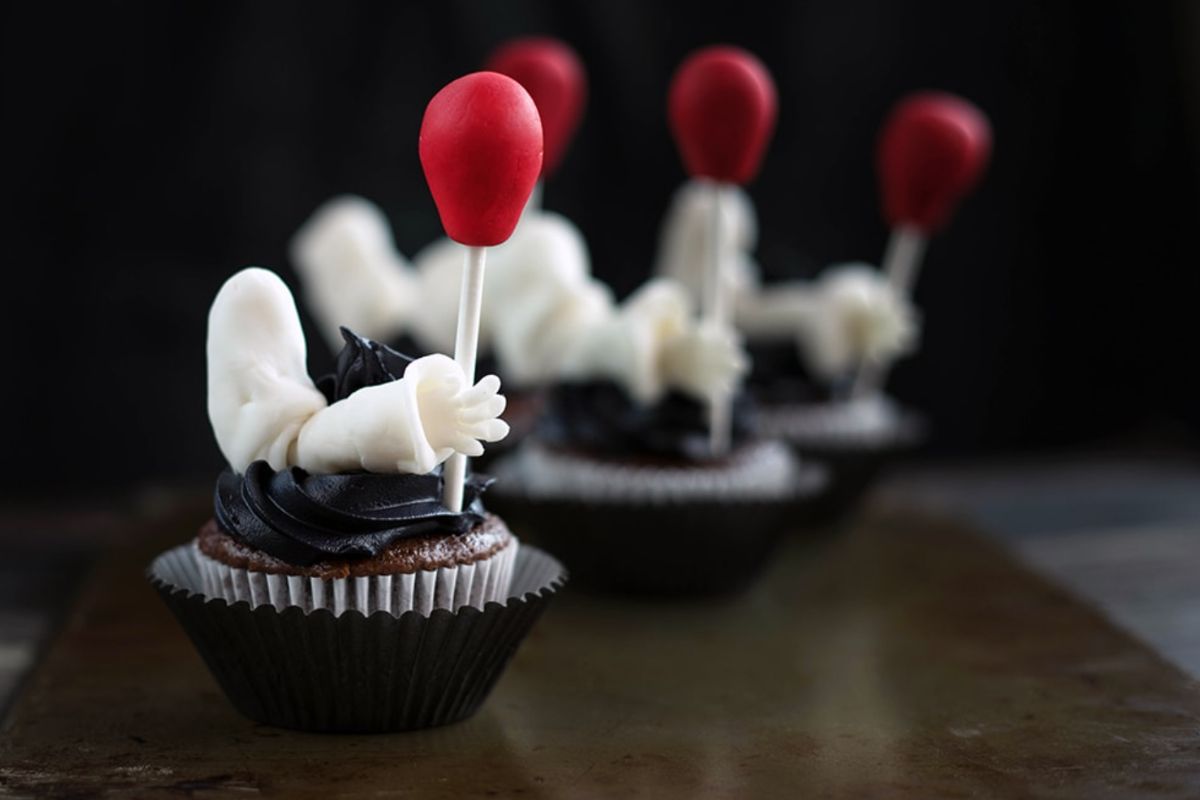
(666, 540)
(352, 673)
(450, 588)
(855, 448)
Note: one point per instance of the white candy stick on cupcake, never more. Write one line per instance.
(932, 150)
(722, 113)
(481, 150)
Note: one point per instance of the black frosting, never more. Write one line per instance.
(778, 375)
(600, 417)
(362, 362)
(302, 519)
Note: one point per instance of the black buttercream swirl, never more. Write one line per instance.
(780, 376)
(600, 417)
(304, 518)
(362, 362)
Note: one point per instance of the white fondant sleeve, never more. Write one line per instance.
(409, 425)
(352, 273)
(684, 239)
(263, 405)
(259, 392)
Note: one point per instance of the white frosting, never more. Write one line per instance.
(352, 273)
(544, 316)
(760, 471)
(849, 316)
(263, 405)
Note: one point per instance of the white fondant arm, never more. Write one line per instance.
(409, 425)
(259, 392)
(652, 343)
(538, 297)
(352, 273)
(778, 310)
(684, 239)
(263, 405)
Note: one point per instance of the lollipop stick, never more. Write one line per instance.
(901, 265)
(902, 259)
(466, 342)
(716, 312)
(535, 199)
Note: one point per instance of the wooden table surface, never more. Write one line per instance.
(903, 657)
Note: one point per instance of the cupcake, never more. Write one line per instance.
(329, 533)
(822, 349)
(620, 480)
(806, 341)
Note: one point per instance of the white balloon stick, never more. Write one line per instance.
(901, 265)
(716, 312)
(534, 203)
(466, 344)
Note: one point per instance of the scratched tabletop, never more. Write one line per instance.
(901, 656)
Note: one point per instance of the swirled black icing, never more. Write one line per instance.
(362, 362)
(303, 518)
(779, 375)
(600, 417)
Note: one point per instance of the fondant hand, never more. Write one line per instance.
(706, 361)
(461, 417)
(856, 318)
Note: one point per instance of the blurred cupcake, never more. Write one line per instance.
(620, 480)
(807, 340)
(329, 523)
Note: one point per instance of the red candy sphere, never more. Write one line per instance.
(722, 110)
(554, 77)
(932, 151)
(481, 149)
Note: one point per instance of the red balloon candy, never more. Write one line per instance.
(722, 110)
(481, 149)
(932, 151)
(554, 77)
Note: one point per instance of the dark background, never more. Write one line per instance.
(155, 148)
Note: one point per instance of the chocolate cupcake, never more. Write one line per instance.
(331, 513)
(855, 437)
(806, 339)
(630, 496)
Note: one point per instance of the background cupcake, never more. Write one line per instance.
(624, 485)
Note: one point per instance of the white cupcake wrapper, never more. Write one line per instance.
(868, 422)
(764, 471)
(449, 588)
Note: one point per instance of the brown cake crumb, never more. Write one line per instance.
(411, 554)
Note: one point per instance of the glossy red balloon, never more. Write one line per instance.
(481, 149)
(932, 151)
(722, 109)
(554, 77)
